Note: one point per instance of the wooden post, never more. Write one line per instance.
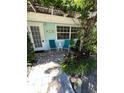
(32, 6)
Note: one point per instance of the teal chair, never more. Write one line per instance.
(66, 44)
(52, 44)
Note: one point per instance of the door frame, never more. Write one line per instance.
(40, 25)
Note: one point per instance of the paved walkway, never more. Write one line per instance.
(48, 78)
(48, 56)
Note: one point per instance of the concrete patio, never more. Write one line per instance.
(48, 56)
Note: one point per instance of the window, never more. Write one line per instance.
(74, 31)
(36, 36)
(63, 32)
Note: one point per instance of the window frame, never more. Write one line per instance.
(62, 32)
(70, 32)
(75, 32)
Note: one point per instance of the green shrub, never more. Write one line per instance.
(78, 67)
(30, 50)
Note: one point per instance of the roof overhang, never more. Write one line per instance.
(40, 17)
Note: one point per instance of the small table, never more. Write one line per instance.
(59, 46)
